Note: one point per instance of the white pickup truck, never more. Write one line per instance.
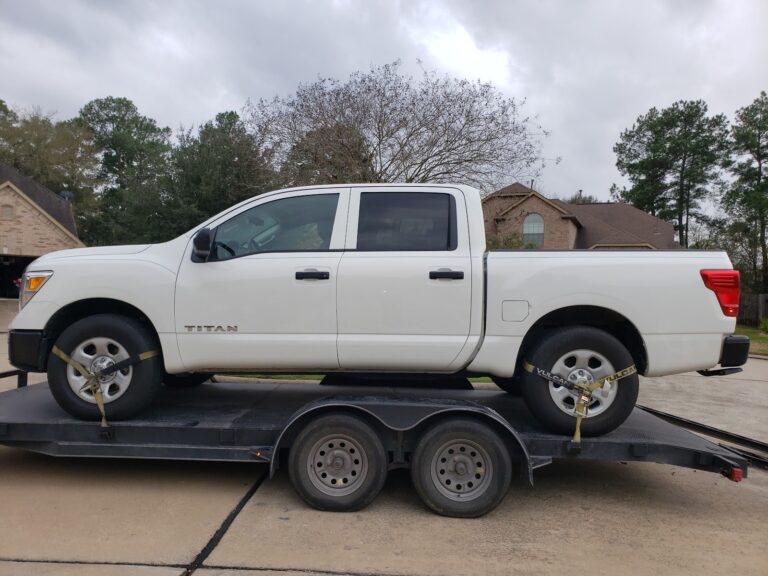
(373, 278)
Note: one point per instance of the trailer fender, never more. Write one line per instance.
(404, 415)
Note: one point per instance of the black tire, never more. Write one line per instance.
(338, 440)
(553, 347)
(511, 386)
(189, 380)
(144, 377)
(468, 491)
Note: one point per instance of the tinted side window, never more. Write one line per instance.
(301, 223)
(406, 221)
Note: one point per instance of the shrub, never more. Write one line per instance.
(501, 242)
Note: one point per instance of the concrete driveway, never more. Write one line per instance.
(158, 518)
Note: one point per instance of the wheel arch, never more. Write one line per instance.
(605, 319)
(402, 429)
(77, 310)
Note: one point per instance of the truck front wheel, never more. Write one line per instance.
(97, 342)
(586, 353)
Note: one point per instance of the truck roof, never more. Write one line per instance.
(473, 195)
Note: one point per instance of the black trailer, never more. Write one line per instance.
(464, 446)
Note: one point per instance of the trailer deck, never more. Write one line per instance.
(246, 422)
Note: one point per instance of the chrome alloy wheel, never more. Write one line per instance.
(337, 465)
(461, 470)
(97, 354)
(583, 367)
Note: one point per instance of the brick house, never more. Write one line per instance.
(33, 222)
(517, 211)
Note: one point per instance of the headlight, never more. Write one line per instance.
(31, 284)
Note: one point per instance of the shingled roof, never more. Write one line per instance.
(56, 206)
(618, 224)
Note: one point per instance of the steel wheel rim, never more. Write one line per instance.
(337, 465)
(461, 470)
(96, 354)
(586, 366)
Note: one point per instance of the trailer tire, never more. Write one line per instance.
(550, 403)
(337, 463)
(93, 341)
(185, 380)
(461, 468)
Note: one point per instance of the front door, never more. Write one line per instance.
(266, 296)
(405, 280)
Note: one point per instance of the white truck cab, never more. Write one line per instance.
(373, 278)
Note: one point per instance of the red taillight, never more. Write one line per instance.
(725, 284)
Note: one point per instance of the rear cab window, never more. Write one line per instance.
(407, 221)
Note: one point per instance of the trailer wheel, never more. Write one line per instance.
(461, 468)
(580, 352)
(185, 380)
(338, 463)
(97, 342)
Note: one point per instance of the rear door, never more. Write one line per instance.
(404, 283)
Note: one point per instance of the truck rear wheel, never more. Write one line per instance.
(338, 463)
(461, 468)
(97, 342)
(573, 353)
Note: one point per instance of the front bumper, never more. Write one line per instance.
(735, 351)
(28, 350)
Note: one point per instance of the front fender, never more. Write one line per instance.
(145, 285)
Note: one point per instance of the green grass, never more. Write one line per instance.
(758, 339)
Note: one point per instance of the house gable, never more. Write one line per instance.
(559, 231)
(493, 206)
(54, 205)
(26, 229)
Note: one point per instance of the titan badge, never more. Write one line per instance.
(210, 328)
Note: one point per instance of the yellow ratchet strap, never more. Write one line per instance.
(528, 367)
(92, 378)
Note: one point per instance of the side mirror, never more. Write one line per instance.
(201, 245)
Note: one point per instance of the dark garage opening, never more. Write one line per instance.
(11, 270)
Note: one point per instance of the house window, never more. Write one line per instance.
(533, 230)
(6, 212)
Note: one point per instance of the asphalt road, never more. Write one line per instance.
(158, 518)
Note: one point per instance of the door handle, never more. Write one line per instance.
(446, 275)
(312, 275)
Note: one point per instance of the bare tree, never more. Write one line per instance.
(431, 129)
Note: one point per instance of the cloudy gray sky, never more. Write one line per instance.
(586, 68)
